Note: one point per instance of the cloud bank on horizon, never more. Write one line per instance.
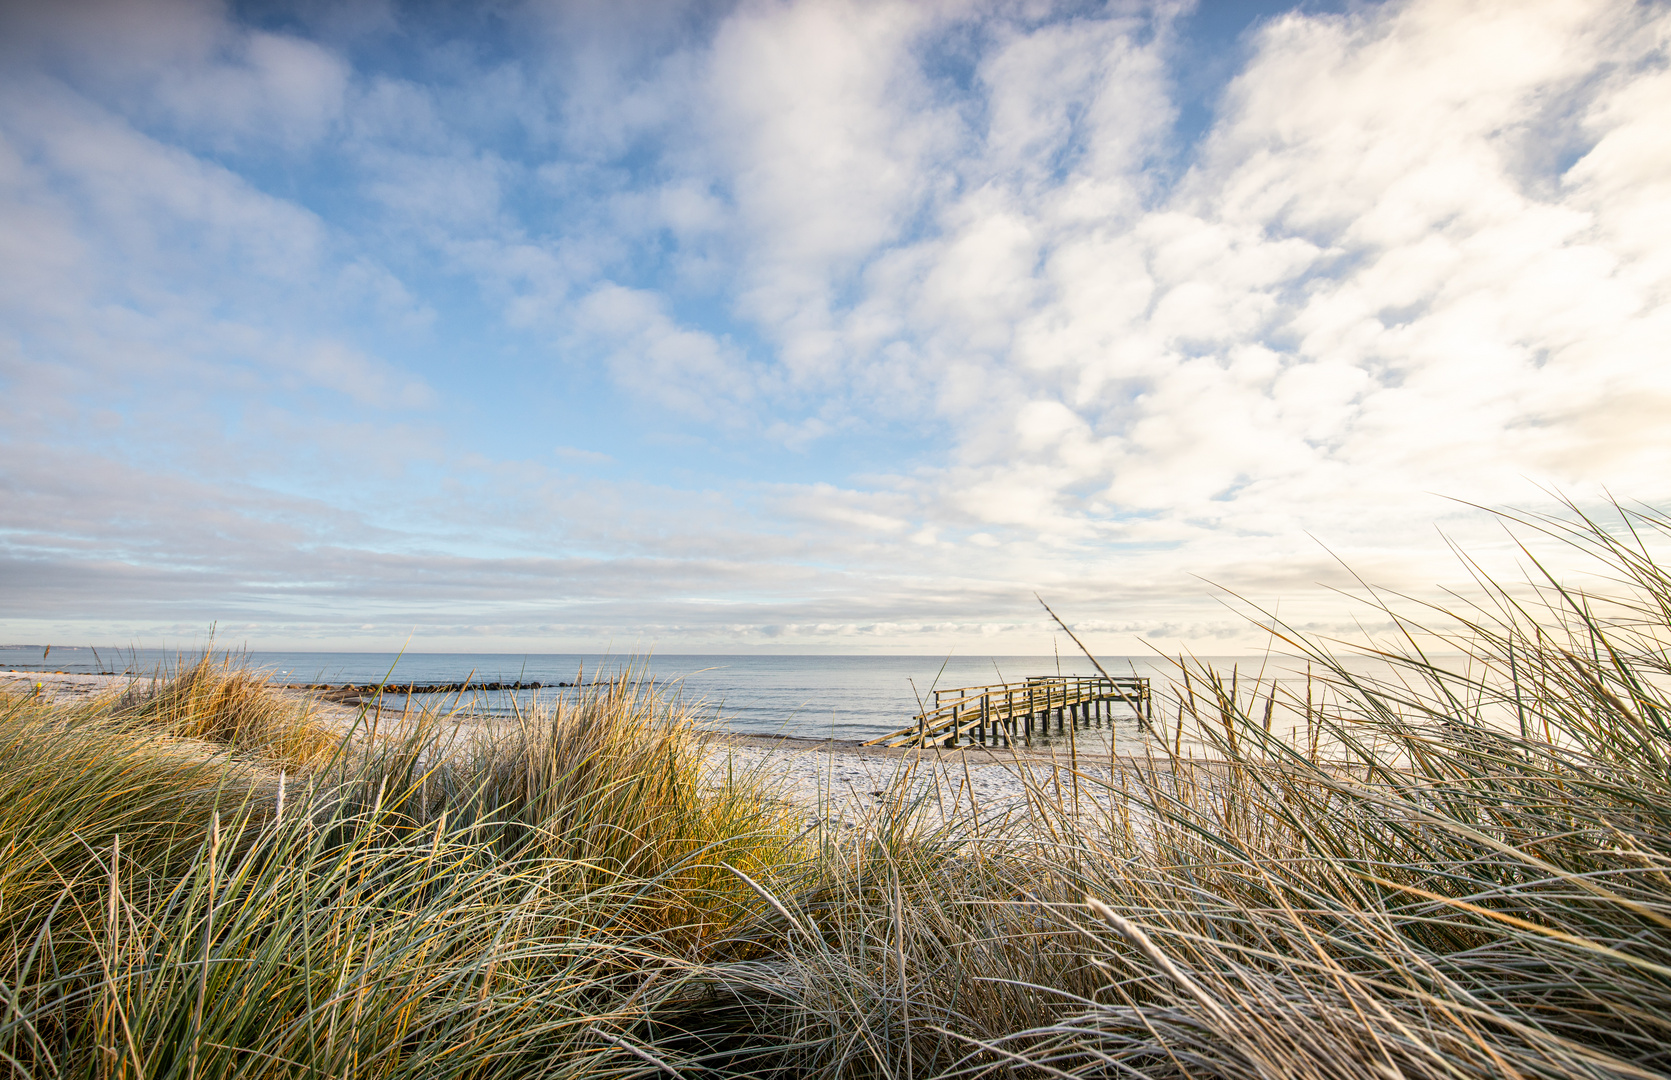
(808, 324)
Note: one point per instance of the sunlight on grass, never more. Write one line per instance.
(1459, 870)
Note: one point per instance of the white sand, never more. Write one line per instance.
(836, 779)
(846, 782)
(61, 688)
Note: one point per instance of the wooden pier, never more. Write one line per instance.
(999, 713)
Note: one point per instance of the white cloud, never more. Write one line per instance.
(137, 262)
(186, 65)
(1424, 248)
(687, 370)
(824, 130)
(580, 456)
(442, 194)
(267, 89)
(150, 216)
(115, 38)
(364, 379)
(1358, 295)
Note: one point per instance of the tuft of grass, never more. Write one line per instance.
(505, 904)
(222, 702)
(1474, 879)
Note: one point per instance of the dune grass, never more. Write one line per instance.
(1463, 868)
(225, 703)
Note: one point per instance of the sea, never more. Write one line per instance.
(845, 697)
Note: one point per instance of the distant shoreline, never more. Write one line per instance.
(65, 687)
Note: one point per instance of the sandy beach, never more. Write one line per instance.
(835, 778)
(63, 688)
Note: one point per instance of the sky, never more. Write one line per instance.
(807, 325)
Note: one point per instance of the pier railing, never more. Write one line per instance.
(999, 713)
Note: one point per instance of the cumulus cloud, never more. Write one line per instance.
(184, 65)
(686, 369)
(1364, 282)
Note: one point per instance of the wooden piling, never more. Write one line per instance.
(1002, 712)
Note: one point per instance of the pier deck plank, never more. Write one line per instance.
(1014, 710)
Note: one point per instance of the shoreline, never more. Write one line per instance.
(70, 687)
(840, 780)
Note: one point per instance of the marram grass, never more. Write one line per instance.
(1459, 870)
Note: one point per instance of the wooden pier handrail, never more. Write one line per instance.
(995, 708)
(1035, 680)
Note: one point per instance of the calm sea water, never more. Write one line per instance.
(844, 697)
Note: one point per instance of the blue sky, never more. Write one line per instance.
(809, 325)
